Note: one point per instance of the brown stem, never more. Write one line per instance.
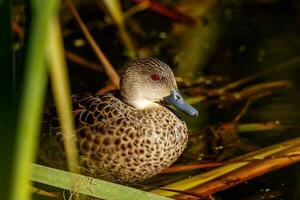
(82, 61)
(167, 11)
(279, 155)
(245, 173)
(110, 71)
(263, 126)
(260, 88)
(180, 168)
(187, 167)
(243, 111)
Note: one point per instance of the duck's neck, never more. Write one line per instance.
(142, 104)
(133, 96)
(139, 102)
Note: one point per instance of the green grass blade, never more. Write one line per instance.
(61, 91)
(32, 98)
(89, 186)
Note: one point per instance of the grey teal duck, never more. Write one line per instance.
(126, 137)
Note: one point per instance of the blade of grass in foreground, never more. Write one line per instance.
(89, 186)
(61, 91)
(32, 98)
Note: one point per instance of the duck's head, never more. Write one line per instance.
(146, 81)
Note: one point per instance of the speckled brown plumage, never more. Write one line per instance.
(116, 141)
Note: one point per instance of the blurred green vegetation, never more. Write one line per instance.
(7, 97)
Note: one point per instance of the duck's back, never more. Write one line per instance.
(116, 142)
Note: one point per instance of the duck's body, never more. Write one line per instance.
(119, 138)
(117, 142)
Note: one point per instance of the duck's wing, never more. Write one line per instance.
(51, 147)
(93, 115)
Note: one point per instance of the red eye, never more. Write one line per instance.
(155, 77)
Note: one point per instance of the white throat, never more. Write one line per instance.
(143, 104)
